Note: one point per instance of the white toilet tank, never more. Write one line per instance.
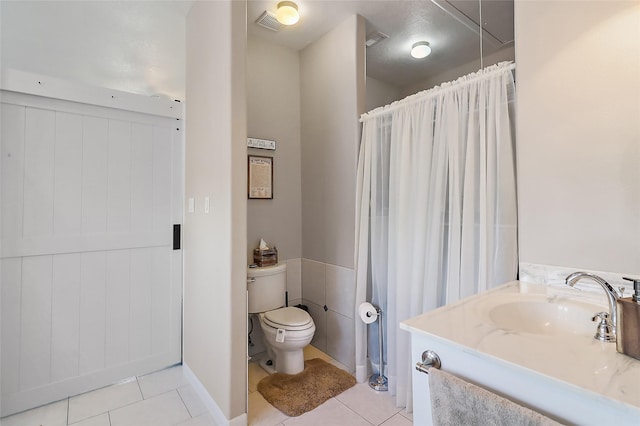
(266, 287)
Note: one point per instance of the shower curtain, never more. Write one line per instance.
(435, 210)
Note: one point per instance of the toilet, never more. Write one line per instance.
(287, 330)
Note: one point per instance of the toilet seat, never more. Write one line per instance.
(289, 318)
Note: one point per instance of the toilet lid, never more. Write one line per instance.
(289, 318)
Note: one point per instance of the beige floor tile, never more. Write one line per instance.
(375, 407)
(100, 420)
(54, 414)
(256, 373)
(311, 352)
(331, 413)
(340, 366)
(398, 420)
(192, 401)
(162, 381)
(100, 401)
(261, 413)
(407, 415)
(202, 420)
(166, 409)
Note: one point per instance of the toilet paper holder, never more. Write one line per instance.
(369, 314)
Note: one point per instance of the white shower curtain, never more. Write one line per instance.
(436, 208)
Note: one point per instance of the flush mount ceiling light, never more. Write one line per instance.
(287, 13)
(420, 49)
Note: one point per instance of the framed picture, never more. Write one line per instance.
(260, 177)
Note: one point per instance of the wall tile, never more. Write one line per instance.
(295, 302)
(313, 281)
(340, 290)
(294, 279)
(319, 318)
(340, 339)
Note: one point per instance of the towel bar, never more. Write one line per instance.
(429, 359)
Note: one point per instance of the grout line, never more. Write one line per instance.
(140, 388)
(109, 417)
(183, 403)
(353, 411)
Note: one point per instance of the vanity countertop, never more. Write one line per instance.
(577, 360)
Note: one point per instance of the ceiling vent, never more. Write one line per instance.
(268, 20)
(374, 38)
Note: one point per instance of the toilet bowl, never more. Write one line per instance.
(286, 330)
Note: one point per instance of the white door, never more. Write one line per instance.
(91, 285)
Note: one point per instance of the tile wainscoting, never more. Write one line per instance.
(329, 292)
(316, 285)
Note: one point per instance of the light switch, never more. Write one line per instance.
(192, 205)
(206, 205)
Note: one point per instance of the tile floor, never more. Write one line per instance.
(359, 405)
(165, 398)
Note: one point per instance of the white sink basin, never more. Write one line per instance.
(537, 314)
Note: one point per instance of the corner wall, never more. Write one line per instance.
(215, 314)
(273, 112)
(578, 134)
(332, 98)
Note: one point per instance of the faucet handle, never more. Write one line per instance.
(601, 316)
(605, 331)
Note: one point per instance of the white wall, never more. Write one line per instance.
(215, 312)
(578, 134)
(332, 98)
(332, 93)
(380, 93)
(273, 112)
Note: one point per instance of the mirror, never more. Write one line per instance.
(451, 28)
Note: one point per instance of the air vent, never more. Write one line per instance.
(375, 38)
(268, 20)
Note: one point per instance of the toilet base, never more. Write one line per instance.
(267, 365)
(286, 362)
(290, 362)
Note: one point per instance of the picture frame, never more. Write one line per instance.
(260, 177)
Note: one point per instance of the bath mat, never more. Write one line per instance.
(295, 394)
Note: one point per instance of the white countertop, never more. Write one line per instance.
(577, 360)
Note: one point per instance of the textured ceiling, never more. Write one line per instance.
(133, 46)
(450, 27)
(138, 46)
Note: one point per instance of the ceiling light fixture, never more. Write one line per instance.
(287, 13)
(420, 49)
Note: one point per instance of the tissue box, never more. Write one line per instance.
(265, 257)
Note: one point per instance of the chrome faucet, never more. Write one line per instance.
(606, 330)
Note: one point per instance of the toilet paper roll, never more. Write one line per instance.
(367, 312)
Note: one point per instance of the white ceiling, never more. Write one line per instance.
(139, 46)
(129, 45)
(449, 26)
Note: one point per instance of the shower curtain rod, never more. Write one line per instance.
(460, 81)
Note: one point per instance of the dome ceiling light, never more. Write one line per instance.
(287, 13)
(420, 50)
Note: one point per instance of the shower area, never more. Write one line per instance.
(436, 208)
(436, 217)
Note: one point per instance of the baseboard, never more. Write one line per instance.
(362, 373)
(218, 416)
